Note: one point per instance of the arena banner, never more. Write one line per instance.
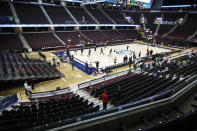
(81, 65)
(77, 63)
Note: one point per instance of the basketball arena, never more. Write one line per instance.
(98, 65)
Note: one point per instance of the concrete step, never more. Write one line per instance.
(91, 99)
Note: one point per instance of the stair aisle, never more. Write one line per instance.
(91, 99)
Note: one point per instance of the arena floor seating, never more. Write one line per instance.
(15, 67)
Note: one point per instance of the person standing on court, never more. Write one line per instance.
(151, 52)
(135, 67)
(134, 56)
(97, 66)
(130, 62)
(73, 63)
(53, 59)
(139, 54)
(86, 66)
(110, 52)
(28, 89)
(115, 60)
(141, 67)
(126, 58)
(58, 62)
(127, 47)
(81, 51)
(89, 52)
(90, 68)
(104, 99)
(101, 51)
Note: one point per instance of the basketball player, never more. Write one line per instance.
(130, 62)
(135, 67)
(81, 51)
(110, 52)
(89, 52)
(148, 52)
(126, 58)
(151, 52)
(139, 54)
(75, 52)
(68, 53)
(105, 45)
(97, 66)
(134, 56)
(127, 47)
(115, 60)
(101, 51)
(86, 66)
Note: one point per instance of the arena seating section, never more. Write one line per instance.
(74, 37)
(134, 87)
(150, 17)
(135, 16)
(58, 15)
(14, 67)
(132, 34)
(115, 35)
(100, 17)
(50, 109)
(171, 17)
(187, 29)
(10, 42)
(116, 16)
(41, 40)
(30, 14)
(79, 14)
(67, 107)
(97, 36)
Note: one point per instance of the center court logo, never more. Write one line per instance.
(123, 52)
